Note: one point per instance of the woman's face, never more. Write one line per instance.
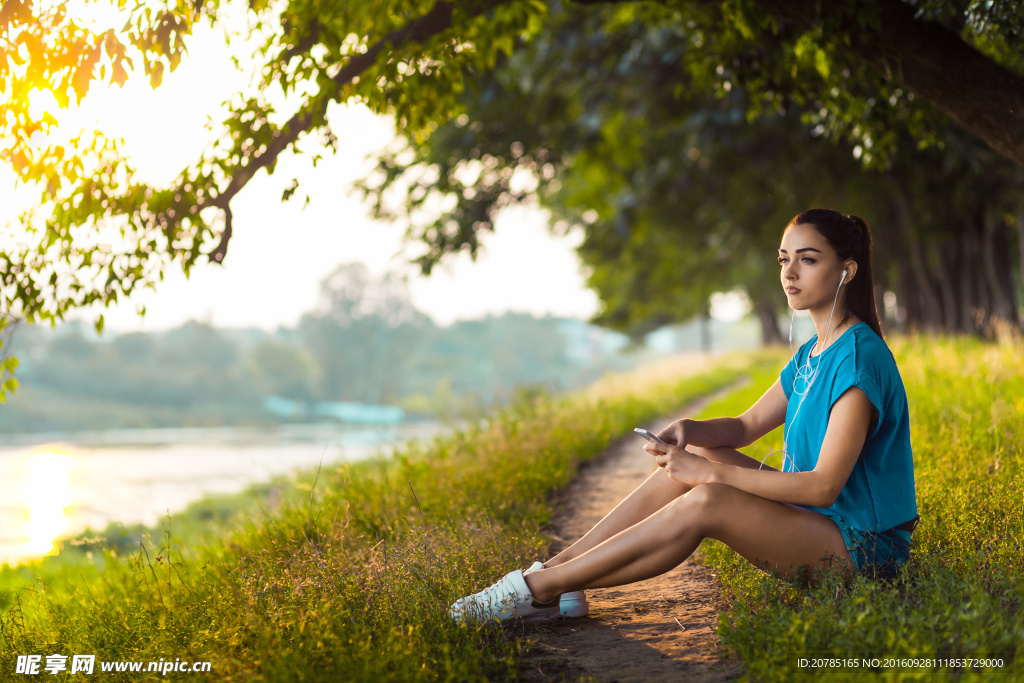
(809, 268)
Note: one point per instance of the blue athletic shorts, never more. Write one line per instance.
(879, 554)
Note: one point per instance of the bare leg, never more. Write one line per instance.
(657, 491)
(771, 535)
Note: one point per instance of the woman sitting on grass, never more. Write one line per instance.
(844, 498)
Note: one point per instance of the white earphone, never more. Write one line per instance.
(842, 279)
(807, 374)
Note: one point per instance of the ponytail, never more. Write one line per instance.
(851, 238)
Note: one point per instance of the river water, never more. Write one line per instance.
(54, 485)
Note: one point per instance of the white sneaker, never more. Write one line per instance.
(507, 599)
(570, 605)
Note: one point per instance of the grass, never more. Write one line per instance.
(347, 573)
(962, 594)
(344, 573)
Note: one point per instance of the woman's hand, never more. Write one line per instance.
(675, 434)
(679, 463)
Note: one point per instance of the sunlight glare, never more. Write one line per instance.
(730, 307)
(42, 102)
(46, 493)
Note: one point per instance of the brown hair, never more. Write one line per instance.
(850, 237)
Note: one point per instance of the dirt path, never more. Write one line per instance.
(662, 629)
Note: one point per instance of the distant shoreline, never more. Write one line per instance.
(351, 434)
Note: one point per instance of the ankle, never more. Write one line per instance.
(541, 593)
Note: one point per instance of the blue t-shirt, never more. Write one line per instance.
(879, 494)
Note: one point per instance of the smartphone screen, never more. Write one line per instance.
(647, 435)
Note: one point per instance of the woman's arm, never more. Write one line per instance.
(844, 440)
(733, 432)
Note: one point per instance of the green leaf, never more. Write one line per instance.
(10, 385)
(821, 62)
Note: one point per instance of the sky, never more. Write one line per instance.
(280, 252)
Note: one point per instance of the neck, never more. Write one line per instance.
(829, 332)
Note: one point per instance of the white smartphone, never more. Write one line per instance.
(647, 435)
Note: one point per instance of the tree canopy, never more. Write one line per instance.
(683, 193)
(859, 71)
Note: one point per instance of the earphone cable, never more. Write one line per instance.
(809, 375)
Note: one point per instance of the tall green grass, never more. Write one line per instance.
(345, 573)
(962, 594)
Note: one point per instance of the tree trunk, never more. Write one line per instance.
(939, 253)
(1004, 306)
(1004, 274)
(770, 334)
(910, 303)
(1020, 256)
(931, 316)
(902, 280)
(928, 59)
(967, 298)
(931, 309)
(983, 303)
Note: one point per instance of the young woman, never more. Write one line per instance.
(844, 498)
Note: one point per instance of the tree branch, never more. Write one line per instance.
(221, 250)
(438, 19)
(933, 62)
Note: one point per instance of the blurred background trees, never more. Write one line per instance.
(364, 335)
(682, 178)
(366, 344)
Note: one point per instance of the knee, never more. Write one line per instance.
(709, 495)
(704, 504)
(698, 497)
